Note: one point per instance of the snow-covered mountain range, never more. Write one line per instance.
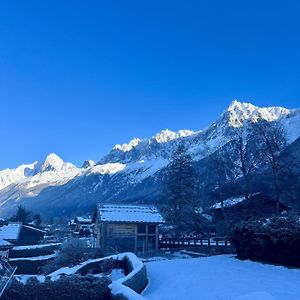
(129, 172)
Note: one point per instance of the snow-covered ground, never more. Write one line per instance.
(220, 277)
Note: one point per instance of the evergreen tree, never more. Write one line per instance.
(180, 190)
(37, 219)
(22, 215)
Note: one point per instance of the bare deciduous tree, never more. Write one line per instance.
(270, 141)
(246, 158)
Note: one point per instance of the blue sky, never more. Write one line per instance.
(77, 77)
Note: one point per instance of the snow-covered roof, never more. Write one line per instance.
(83, 219)
(4, 244)
(229, 202)
(129, 213)
(10, 231)
(34, 229)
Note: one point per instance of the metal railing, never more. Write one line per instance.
(6, 274)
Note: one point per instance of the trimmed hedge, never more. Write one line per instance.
(73, 287)
(275, 240)
(33, 252)
(30, 266)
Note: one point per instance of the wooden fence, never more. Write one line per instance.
(205, 244)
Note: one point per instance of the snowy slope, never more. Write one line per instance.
(129, 171)
(218, 278)
(29, 180)
(201, 143)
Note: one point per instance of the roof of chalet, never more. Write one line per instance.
(10, 232)
(83, 219)
(5, 244)
(129, 213)
(34, 229)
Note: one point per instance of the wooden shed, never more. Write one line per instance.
(121, 228)
(19, 234)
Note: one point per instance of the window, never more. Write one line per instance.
(152, 229)
(141, 228)
(141, 243)
(151, 243)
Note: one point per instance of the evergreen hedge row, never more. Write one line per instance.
(33, 252)
(275, 240)
(73, 287)
(30, 266)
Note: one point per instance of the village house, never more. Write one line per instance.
(82, 226)
(120, 228)
(5, 246)
(19, 234)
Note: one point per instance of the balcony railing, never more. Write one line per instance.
(6, 274)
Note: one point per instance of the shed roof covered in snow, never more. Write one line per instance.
(10, 232)
(129, 213)
(83, 220)
(5, 244)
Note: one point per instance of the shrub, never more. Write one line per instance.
(104, 266)
(73, 287)
(275, 240)
(30, 266)
(33, 252)
(72, 252)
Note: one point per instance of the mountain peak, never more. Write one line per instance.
(168, 135)
(127, 147)
(239, 112)
(88, 163)
(51, 163)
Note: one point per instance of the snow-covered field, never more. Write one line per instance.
(220, 278)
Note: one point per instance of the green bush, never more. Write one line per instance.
(275, 240)
(73, 287)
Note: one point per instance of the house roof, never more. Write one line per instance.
(129, 213)
(34, 229)
(5, 244)
(83, 220)
(10, 232)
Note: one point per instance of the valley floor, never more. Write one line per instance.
(220, 277)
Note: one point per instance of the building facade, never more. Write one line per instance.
(121, 228)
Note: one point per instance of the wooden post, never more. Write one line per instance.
(156, 240)
(135, 239)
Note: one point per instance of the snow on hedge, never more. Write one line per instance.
(29, 247)
(42, 257)
(118, 287)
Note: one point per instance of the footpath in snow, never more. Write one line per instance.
(220, 277)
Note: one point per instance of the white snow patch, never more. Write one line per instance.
(221, 277)
(167, 135)
(229, 202)
(109, 168)
(35, 246)
(127, 147)
(239, 112)
(42, 257)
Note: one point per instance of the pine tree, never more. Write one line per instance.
(180, 190)
(22, 215)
